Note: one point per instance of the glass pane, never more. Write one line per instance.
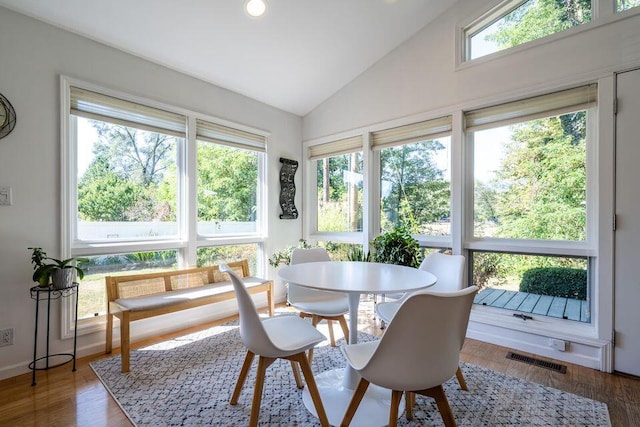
(565, 280)
(344, 251)
(530, 179)
(626, 4)
(92, 300)
(126, 182)
(340, 193)
(415, 187)
(227, 190)
(217, 254)
(531, 20)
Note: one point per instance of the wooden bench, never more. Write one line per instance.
(140, 296)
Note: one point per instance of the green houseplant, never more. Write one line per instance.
(48, 270)
(397, 247)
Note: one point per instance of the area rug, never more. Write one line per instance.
(188, 381)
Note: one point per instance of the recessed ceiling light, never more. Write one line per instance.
(255, 8)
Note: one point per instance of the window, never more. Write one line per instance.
(626, 4)
(415, 181)
(227, 179)
(126, 169)
(339, 167)
(530, 190)
(515, 22)
(127, 200)
(541, 285)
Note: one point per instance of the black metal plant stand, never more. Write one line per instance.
(50, 293)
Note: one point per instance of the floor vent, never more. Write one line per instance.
(537, 362)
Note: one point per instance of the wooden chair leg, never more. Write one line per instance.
(460, 377)
(313, 389)
(443, 404)
(408, 404)
(109, 344)
(296, 375)
(358, 394)
(263, 364)
(332, 339)
(125, 344)
(310, 356)
(345, 328)
(315, 319)
(396, 397)
(248, 359)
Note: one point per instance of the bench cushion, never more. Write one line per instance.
(165, 299)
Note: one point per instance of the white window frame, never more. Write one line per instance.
(187, 242)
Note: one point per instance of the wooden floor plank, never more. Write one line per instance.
(543, 305)
(504, 299)
(529, 302)
(557, 307)
(572, 311)
(516, 301)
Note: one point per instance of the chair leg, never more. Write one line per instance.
(125, 343)
(345, 328)
(296, 375)
(332, 339)
(396, 397)
(248, 359)
(313, 389)
(358, 394)
(440, 397)
(460, 377)
(408, 404)
(263, 364)
(109, 343)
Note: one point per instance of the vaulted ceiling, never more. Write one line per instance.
(294, 57)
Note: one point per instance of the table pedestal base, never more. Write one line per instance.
(372, 412)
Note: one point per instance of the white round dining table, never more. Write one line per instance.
(354, 279)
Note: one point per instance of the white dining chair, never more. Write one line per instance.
(319, 305)
(279, 337)
(416, 362)
(449, 270)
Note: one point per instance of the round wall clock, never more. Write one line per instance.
(7, 117)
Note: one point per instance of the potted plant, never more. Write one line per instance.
(397, 247)
(61, 273)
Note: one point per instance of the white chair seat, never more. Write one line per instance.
(386, 310)
(291, 334)
(358, 355)
(329, 307)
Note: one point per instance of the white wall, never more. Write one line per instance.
(421, 79)
(33, 55)
(421, 76)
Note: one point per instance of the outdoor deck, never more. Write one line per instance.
(563, 308)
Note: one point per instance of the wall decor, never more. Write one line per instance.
(7, 117)
(288, 188)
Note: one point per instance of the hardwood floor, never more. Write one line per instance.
(65, 398)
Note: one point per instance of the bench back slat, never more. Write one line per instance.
(132, 285)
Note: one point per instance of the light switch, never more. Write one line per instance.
(5, 196)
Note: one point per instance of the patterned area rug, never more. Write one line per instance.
(188, 381)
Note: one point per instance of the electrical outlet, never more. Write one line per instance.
(558, 344)
(6, 198)
(6, 337)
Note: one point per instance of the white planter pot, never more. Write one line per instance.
(63, 278)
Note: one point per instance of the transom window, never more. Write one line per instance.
(515, 22)
(626, 4)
